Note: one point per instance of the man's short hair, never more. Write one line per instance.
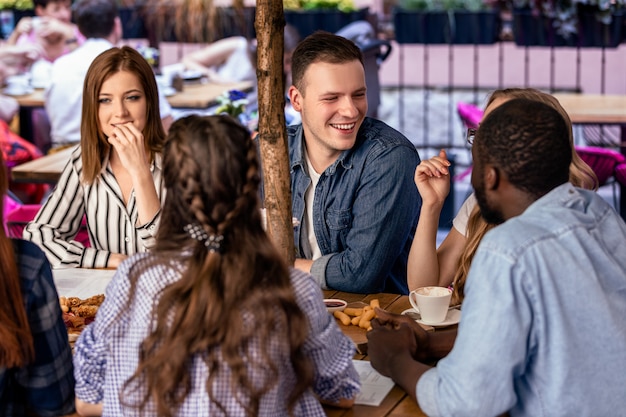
(95, 18)
(529, 141)
(322, 47)
(44, 3)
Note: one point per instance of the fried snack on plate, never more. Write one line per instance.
(87, 311)
(359, 316)
(95, 300)
(78, 313)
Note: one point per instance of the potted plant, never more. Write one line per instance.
(330, 15)
(446, 21)
(578, 23)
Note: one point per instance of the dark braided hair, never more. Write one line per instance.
(228, 304)
(529, 141)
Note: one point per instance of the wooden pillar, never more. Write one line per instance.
(269, 26)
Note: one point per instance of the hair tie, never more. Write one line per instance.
(212, 242)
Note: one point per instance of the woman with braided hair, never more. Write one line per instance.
(212, 321)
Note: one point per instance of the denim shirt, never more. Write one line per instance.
(542, 331)
(365, 210)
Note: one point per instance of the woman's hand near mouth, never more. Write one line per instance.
(129, 144)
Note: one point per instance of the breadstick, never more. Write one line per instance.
(352, 311)
(355, 320)
(366, 318)
(375, 303)
(343, 317)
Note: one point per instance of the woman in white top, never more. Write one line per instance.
(449, 264)
(114, 177)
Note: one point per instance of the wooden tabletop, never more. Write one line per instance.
(397, 403)
(46, 169)
(194, 95)
(594, 108)
(201, 96)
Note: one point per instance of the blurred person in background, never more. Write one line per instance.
(51, 28)
(235, 59)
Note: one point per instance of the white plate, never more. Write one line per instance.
(168, 91)
(191, 75)
(453, 317)
(18, 91)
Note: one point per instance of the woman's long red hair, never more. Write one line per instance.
(16, 341)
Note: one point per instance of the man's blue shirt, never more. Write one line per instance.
(542, 332)
(365, 210)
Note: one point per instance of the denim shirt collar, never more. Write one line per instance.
(345, 158)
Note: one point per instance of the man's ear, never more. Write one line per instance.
(295, 98)
(492, 177)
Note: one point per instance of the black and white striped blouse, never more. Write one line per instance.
(110, 223)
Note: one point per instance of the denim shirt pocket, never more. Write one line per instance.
(339, 223)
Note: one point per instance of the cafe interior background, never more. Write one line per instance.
(422, 63)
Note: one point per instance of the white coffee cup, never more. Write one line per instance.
(431, 302)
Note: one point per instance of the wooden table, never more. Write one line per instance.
(46, 169)
(599, 109)
(397, 403)
(201, 96)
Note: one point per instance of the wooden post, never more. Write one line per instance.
(269, 25)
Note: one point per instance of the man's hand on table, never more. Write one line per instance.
(391, 345)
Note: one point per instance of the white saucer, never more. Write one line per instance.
(453, 317)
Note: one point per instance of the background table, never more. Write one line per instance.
(46, 169)
(599, 109)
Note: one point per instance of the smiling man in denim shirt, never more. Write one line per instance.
(351, 176)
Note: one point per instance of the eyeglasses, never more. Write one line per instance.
(469, 136)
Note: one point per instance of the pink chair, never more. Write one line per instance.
(16, 220)
(604, 162)
(470, 117)
(470, 114)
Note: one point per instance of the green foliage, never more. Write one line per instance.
(16, 4)
(341, 5)
(565, 12)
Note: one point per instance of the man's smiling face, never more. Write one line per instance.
(333, 106)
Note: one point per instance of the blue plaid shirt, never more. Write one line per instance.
(46, 386)
(107, 352)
